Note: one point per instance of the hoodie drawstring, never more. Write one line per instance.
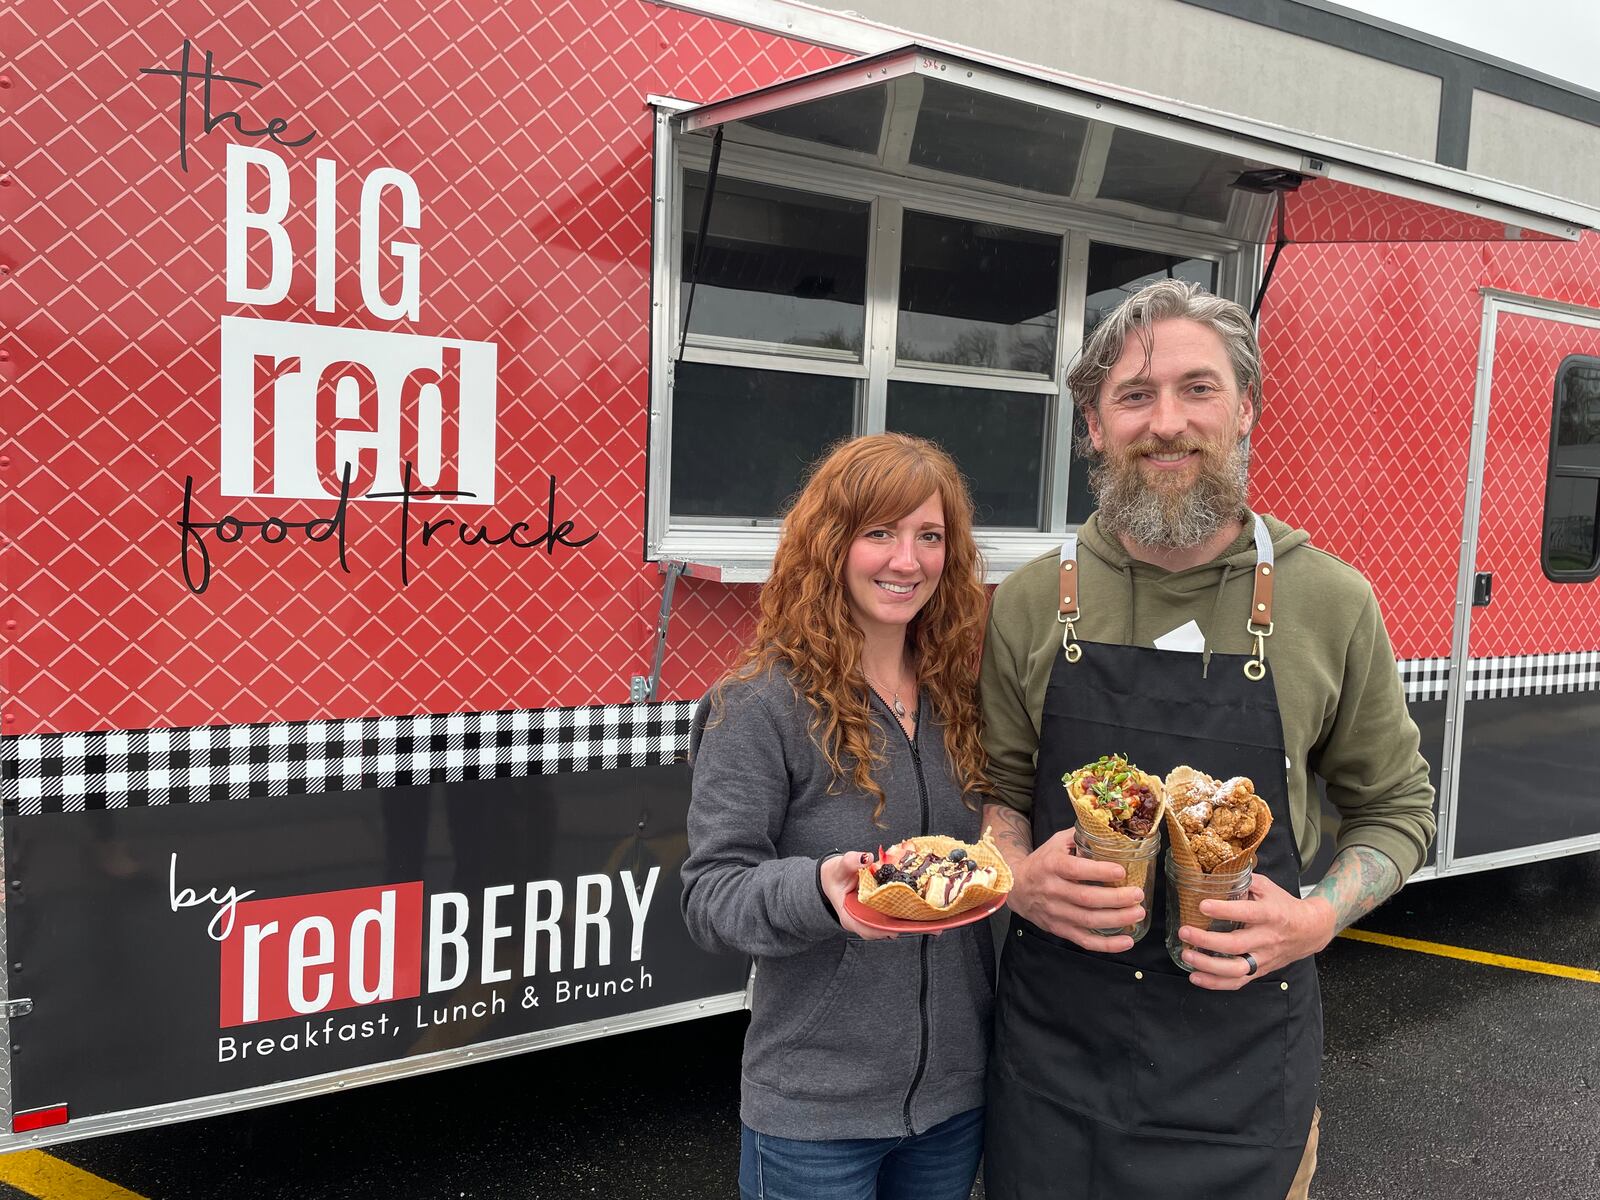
(1211, 621)
(1127, 578)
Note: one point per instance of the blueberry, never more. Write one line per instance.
(957, 854)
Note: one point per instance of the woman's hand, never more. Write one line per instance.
(840, 876)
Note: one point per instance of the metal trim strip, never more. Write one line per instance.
(209, 1106)
(1456, 700)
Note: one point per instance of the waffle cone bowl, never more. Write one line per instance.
(897, 899)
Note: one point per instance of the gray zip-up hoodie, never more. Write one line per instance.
(848, 1038)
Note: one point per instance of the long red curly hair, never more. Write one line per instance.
(806, 628)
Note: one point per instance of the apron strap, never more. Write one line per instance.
(1261, 601)
(1259, 624)
(1067, 614)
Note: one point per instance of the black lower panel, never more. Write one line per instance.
(1429, 717)
(1530, 772)
(360, 933)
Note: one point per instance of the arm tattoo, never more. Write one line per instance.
(1359, 880)
(1013, 832)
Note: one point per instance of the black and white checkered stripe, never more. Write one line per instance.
(68, 772)
(1499, 678)
(1425, 678)
(1533, 674)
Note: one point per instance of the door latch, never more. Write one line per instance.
(1482, 584)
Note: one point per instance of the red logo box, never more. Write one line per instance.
(295, 956)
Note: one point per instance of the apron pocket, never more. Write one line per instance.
(1062, 1028)
(1210, 1065)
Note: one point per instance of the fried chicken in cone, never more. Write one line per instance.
(1215, 827)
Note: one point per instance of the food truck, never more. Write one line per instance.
(402, 398)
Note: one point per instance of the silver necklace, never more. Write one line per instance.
(897, 704)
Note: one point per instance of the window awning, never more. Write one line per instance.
(919, 112)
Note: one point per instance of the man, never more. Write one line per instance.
(1180, 628)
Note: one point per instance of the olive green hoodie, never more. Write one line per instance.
(1339, 693)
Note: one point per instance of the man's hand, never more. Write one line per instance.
(840, 875)
(1071, 896)
(1275, 929)
(1280, 928)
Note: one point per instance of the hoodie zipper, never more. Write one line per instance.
(922, 986)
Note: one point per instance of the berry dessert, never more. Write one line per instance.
(930, 878)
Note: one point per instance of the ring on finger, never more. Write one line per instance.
(1251, 966)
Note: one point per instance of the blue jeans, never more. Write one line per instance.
(939, 1164)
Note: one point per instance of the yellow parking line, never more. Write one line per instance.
(50, 1178)
(1477, 956)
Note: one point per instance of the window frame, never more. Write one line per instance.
(1554, 471)
(746, 549)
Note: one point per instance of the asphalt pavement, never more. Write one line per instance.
(1443, 1080)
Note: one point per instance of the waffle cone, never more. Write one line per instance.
(1139, 874)
(1098, 822)
(1189, 908)
(1175, 783)
(901, 900)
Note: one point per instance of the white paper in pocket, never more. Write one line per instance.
(1186, 637)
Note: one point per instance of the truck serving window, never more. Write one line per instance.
(839, 301)
(1571, 547)
(812, 314)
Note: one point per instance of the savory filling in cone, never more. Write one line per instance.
(1221, 820)
(1128, 800)
(939, 879)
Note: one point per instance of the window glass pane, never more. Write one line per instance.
(1572, 504)
(742, 438)
(1569, 524)
(978, 294)
(780, 265)
(965, 132)
(1156, 173)
(1115, 273)
(852, 121)
(1578, 415)
(996, 437)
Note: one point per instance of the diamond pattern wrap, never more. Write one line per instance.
(1371, 354)
(526, 130)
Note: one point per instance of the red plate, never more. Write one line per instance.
(874, 919)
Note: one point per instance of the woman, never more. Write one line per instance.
(850, 721)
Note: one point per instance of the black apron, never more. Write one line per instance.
(1112, 1075)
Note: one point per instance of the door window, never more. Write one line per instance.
(1571, 546)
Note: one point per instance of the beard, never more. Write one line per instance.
(1174, 514)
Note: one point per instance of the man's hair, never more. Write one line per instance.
(1165, 300)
